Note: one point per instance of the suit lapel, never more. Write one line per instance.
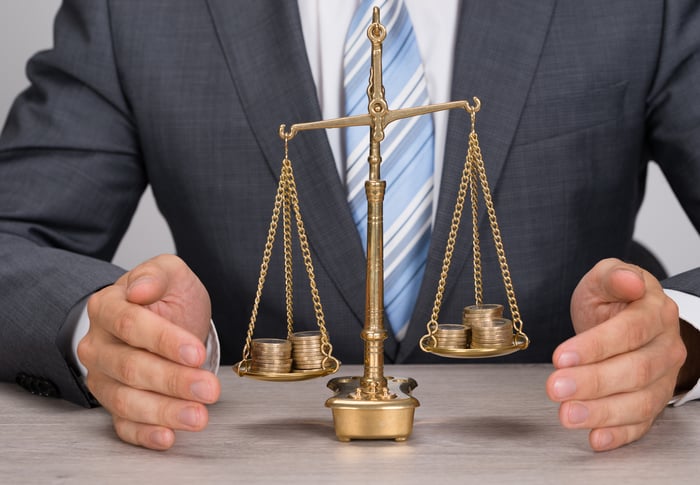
(266, 55)
(496, 55)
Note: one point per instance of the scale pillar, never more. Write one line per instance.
(374, 333)
(374, 406)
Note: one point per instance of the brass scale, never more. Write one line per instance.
(374, 406)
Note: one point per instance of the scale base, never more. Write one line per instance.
(386, 417)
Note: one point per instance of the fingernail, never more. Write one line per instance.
(635, 270)
(603, 439)
(202, 391)
(568, 359)
(564, 387)
(189, 354)
(189, 416)
(139, 281)
(578, 413)
(159, 438)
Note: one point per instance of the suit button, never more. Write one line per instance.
(37, 385)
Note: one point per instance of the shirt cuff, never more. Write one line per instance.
(213, 350)
(82, 326)
(688, 310)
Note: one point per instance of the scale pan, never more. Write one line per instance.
(242, 369)
(520, 342)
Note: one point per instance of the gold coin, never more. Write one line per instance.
(310, 334)
(271, 364)
(308, 365)
(271, 345)
(489, 309)
(307, 349)
(476, 314)
(276, 350)
(309, 358)
(271, 342)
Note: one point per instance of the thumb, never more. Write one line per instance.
(167, 286)
(611, 281)
(148, 282)
(620, 282)
(605, 290)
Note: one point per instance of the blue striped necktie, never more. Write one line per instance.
(407, 154)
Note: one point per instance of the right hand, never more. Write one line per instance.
(144, 349)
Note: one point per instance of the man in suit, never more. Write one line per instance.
(186, 96)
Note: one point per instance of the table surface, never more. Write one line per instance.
(483, 423)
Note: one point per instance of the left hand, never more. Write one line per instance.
(144, 350)
(619, 371)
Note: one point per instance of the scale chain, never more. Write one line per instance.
(473, 176)
(478, 162)
(286, 202)
(264, 266)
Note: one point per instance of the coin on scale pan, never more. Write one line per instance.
(306, 350)
(451, 336)
(473, 313)
(271, 355)
(272, 345)
(479, 315)
(493, 334)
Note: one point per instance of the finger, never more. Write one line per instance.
(143, 370)
(626, 372)
(146, 435)
(147, 407)
(616, 421)
(622, 409)
(627, 331)
(604, 439)
(143, 328)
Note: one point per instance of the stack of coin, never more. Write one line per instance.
(472, 313)
(451, 336)
(306, 350)
(490, 334)
(272, 355)
(477, 313)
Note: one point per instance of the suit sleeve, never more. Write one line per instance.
(673, 127)
(673, 116)
(70, 179)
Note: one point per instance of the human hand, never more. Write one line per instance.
(143, 351)
(619, 372)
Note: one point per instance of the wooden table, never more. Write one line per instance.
(484, 423)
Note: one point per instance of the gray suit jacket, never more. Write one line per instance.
(187, 96)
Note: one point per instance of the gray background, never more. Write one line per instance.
(25, 27)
